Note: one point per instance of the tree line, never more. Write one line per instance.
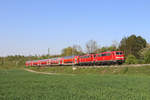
(136, 50)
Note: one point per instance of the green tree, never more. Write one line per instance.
(147, 57)
(105, 49)
(132, 45)
(71, 51)
(145, 54)
(77, 50)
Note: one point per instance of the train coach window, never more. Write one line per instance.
(82, 57)
(87, 56)
(119, 53)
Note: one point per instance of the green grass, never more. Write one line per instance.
(9, 65)
(17, 84)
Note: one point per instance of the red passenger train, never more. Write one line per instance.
(113, 57)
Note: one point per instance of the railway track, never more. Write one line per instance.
(132, 65)
(84, 67)
(95, 66)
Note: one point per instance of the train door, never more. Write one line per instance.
(108, 57)
(113, 56)
(87, 58)
(59, 61)
(91, 58)
(76, 60)
(83, 59)
(99, 58)
(104, 57)
(62, 61)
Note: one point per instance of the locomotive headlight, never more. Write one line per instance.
(119, 57)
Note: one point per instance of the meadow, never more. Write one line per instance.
(103, 70)
(83, 84)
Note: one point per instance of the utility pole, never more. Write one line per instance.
(48, 52)
(72, 57)
(3, 60)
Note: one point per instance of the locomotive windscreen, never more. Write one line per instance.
(119, 53)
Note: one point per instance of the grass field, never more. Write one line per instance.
(17, 84)
(143, 70)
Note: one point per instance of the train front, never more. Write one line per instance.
(119, 57)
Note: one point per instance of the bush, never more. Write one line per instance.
(147, 57)
(131, 59)
(141, 61)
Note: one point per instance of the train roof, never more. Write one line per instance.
(109, 52)
(68, 57)
(54, 58)
(43, 60)
(86, 55)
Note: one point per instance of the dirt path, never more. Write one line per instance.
(46, 73)
(29, 70)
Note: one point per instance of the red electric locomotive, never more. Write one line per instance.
(112, 57)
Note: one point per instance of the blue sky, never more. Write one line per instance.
(32, 26)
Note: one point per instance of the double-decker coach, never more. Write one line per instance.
(87, 59)
(28, 63)
(70, 60)
(54, 61)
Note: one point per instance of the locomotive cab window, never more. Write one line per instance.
(103, 55)
(108, 54)
(119, 53)
(99, 55)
